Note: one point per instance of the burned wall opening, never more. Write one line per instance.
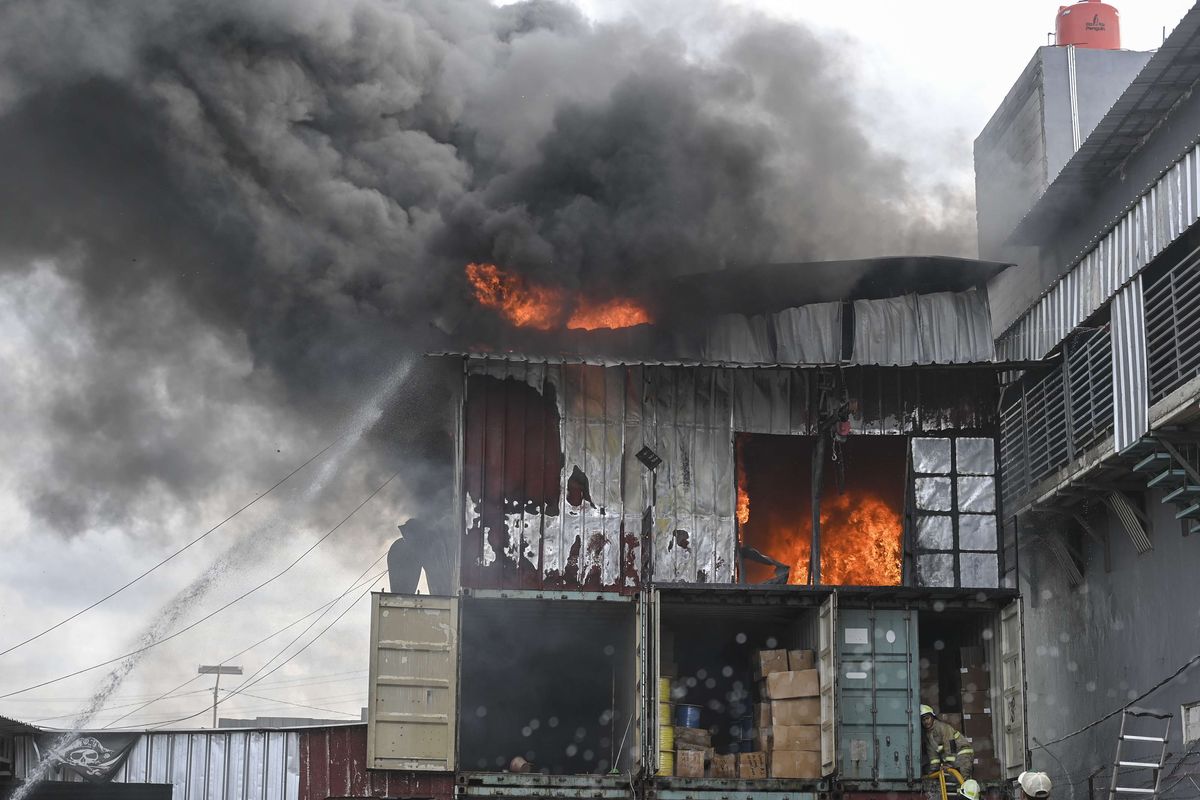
(550, 681)
(862, 501)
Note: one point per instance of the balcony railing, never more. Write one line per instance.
(1052, 417)
(1173, 327)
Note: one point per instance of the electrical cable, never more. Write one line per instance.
(237, 599)
(233, 692)
(115, 592)
(1191, 661)
(249, 681)
(353, 585)
(300, 705)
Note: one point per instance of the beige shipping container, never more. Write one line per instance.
(411, 711)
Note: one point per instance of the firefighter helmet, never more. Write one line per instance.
(969, 790)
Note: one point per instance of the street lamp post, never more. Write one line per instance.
(218, 670)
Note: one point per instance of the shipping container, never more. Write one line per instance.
(564, 682)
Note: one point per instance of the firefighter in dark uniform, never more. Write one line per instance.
(944, 745)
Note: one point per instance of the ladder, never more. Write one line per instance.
(1131, 764)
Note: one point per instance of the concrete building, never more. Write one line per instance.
(1100, 448)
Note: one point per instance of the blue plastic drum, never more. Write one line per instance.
(687, 716)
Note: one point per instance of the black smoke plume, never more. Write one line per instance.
(272, 203)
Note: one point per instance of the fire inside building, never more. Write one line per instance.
(727, 538)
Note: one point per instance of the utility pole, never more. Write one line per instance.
(218, 670)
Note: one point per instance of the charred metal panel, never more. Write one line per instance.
(555, 497)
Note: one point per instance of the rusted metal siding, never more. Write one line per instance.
(333, 763)
(555, 498)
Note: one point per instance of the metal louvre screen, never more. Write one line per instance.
(1090, 375)
(1131, 408)
(1173, 328)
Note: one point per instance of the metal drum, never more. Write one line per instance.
(666, 762)
(687, 716)
(666, 738)
(664, 714)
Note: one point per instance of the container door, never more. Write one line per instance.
(1012, 687)
(411, 713)
(827, 665)
(648, 628)
(877, 685)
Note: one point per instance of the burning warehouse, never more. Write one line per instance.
(797, 462)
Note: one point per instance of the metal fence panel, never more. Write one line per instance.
(1131, 405)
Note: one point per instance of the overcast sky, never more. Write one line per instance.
(144, 404)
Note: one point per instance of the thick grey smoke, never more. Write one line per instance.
(268, 204)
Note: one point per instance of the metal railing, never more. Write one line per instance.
(1051, 418)
(1173, 327)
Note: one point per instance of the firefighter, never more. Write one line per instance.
(943, 744)
(1034, 785)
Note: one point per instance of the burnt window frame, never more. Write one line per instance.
(955, 512)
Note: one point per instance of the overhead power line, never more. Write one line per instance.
(235, 691)
(209, 616)
(117, 591)
(357, 582)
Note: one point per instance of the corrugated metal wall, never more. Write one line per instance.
(334, 764)
(206, 765)
(555, 497)
(1159, 217)
(1131, 390)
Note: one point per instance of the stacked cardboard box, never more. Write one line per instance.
(724, 766)
(975, 681)
(752, 766)
(790, 718)
(930, 678)
(689, 763)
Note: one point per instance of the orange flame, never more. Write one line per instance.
(620, 312)
(860, 542)
(523, 305)
(530, 305)
(743, 491)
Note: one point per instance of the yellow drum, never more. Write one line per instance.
(666, 738)
(664, 690)
(665, 714)
(666, 762)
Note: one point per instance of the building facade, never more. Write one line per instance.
(1099, 445)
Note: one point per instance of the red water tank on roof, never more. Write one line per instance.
(1089, 23)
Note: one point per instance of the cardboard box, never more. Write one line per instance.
(696, 737)
(976, 703)
(752, 766)
(982, 745)
(987, 769)
(798, 711)
(971, 656)
(763, 739)
(762, 715)
(974, 679)
(796, 737)
(724, 766)
(795, 764)
(689, 763)
(769, 661)
(800, 683)
(977, 725)
(801, 659)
